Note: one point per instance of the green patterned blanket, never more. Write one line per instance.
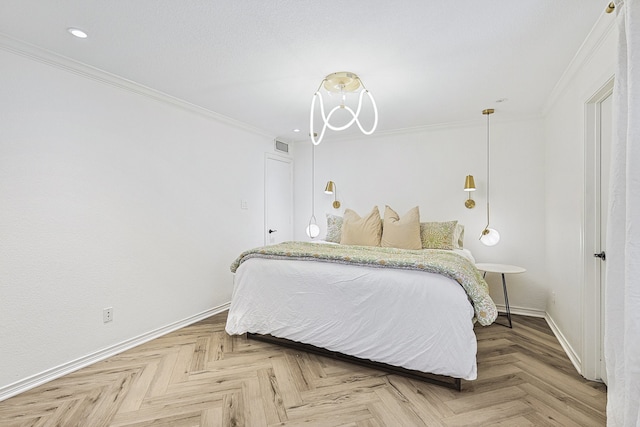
(446, 263)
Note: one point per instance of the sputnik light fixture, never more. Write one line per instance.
(332, 188)
(489, 236)
(469, 187)
(341, 84)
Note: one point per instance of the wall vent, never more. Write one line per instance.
(282, 147)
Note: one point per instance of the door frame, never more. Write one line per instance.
(285, 159)
(591, 295)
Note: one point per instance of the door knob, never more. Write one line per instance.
(272, 231)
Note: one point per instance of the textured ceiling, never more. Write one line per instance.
(259, 61)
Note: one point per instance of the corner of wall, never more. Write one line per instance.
(571, 353)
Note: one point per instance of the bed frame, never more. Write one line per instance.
(441, 380)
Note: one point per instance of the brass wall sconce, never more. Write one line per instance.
(331, 188)
(469, 186)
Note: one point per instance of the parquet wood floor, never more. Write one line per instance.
(200, 376)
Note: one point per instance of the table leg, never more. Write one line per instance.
(506, 300)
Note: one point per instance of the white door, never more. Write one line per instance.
(598, 138)
(278, 224)
(606, 134)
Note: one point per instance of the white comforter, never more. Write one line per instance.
(413, 319)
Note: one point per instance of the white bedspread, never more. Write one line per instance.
(413, 319)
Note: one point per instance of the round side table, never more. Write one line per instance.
(501, 269)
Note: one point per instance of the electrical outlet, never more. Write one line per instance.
(244, 204)
(107, 314)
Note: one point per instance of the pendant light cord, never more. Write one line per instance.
(313, 178)
(312, 219)
(488, 169)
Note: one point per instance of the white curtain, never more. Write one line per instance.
(622, 295)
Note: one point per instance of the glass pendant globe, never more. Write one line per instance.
(313, 231)
(491, 238)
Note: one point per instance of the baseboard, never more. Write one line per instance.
(523, 311)
(69, 367)
(573, 356)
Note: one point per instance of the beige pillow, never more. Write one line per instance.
(401, 233)
(437, 235)
(361, 231)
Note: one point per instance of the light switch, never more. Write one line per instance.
(243, 204)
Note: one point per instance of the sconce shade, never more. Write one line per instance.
(469, 183)
(330, 188)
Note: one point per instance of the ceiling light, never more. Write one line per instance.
(296, 130)
(341, 84)
(77, 32)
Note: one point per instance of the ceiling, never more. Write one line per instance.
(259, 61)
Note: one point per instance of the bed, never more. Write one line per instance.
(410, 309)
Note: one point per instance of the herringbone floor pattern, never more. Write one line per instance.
(200, 376)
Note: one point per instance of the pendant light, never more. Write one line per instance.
(312, 228)
(489, 236)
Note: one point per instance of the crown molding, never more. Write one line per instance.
(47, 57)
(595, 38)
(356, 136)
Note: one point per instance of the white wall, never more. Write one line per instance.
(109, 198)
(565, 136)
(427, 168)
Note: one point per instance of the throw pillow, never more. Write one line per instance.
(363, 231)
(402, 233)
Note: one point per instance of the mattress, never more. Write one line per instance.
(412, 319)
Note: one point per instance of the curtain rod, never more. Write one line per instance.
(610, 8)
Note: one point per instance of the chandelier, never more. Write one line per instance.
(341, 84)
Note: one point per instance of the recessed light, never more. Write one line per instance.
(77, 32)
(296, 130)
